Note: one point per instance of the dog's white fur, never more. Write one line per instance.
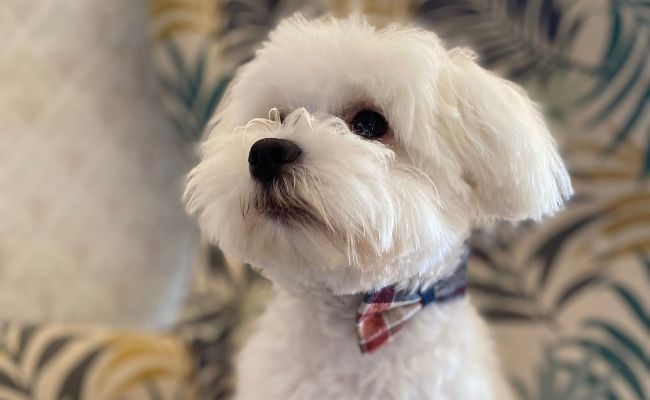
(465, 148)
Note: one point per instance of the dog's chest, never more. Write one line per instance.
(302, 351)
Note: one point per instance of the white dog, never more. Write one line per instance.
(348, 161)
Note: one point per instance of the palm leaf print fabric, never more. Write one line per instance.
(568, 298)
(57, 362)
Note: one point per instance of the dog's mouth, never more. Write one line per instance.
(278, 204)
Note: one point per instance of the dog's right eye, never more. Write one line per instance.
(369, 124)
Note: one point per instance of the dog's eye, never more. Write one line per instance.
(369, 124)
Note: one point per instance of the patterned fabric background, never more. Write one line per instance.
(568, 299)
(70, 363)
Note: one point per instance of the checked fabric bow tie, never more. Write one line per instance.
(383, 312)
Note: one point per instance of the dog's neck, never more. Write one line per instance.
(346, 305)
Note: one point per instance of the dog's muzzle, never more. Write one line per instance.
(268, 157)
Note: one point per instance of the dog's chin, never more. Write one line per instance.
(299, 259)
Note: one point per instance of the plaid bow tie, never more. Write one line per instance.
(383, 312)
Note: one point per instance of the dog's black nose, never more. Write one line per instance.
(268, 156)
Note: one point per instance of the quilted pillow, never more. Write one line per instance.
(92, 226)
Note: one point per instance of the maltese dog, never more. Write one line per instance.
(350, 163)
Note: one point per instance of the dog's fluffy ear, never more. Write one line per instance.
(508, 155)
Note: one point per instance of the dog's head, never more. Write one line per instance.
(351, 157)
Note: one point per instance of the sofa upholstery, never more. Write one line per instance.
(567, 298)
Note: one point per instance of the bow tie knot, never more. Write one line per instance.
(383, 312)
